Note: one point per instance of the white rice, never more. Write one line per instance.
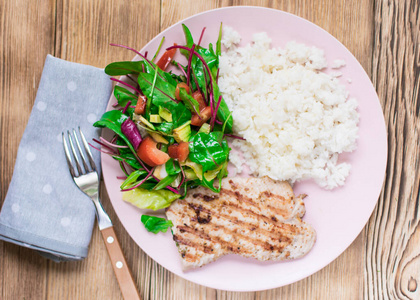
(336, 74)
(338, 63)
(295, 118)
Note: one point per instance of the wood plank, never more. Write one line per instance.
(83, 33)
(342, 277)
(393, 257)
(88, 27)
(26, 36)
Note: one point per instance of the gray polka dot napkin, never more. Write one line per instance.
(43, 208)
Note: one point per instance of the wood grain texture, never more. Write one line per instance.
(382, 263)
(392, 266)
(25, 38)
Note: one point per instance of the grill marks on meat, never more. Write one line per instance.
(205, 197)
(248, 201)
(198, 209)
(252, 217)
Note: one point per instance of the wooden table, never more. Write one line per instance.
(382, 263)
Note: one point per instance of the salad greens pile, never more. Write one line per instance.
(170, 130)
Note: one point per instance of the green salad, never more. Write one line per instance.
(170, 127)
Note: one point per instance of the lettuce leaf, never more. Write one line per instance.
(156, 224)
(150, 199)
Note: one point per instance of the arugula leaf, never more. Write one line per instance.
(223, 113)
(127, 156)
(198, 75)
(149, 103)
(129, 159)
(165, 182)
(188, 39)
(166, 127)
(113, 120)
(197, 70)
(149, 199)
(123, 96)
(184, 187)
(189, 101)
(151, 67)
(149, 185)
(155, 224)
(196, 65)
(158, 49)
(180, 114)
(226, 121)
(210, 58)
(219, 41)
(172, 167)
(225, 147)
(209, 184)
(206, 150)
(132, 179)
(211, 49)
(162, 91)
(124, 68)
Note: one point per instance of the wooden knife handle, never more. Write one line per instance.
(121, 270)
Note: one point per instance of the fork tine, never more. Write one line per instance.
(74, 154)
(68, 157)
(88, 153)
(82, 156)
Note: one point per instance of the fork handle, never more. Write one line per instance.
(121, 270)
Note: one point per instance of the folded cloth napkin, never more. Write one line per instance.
(43, 208)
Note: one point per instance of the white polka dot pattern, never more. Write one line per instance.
(65, 222)
(47, 189)
(71, 86)
(41, 106)
(91, 118)
(15, 207)
(30, 156)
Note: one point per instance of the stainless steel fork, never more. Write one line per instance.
(87, 179)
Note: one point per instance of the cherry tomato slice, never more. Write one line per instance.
(150, 154)
(141, 105)
(197, 96)
(179, 152)
(205, 115)
(182, 85)
(166, 59)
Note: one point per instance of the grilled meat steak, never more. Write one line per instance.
(252, 217)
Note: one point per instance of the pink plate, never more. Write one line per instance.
(338, 216)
